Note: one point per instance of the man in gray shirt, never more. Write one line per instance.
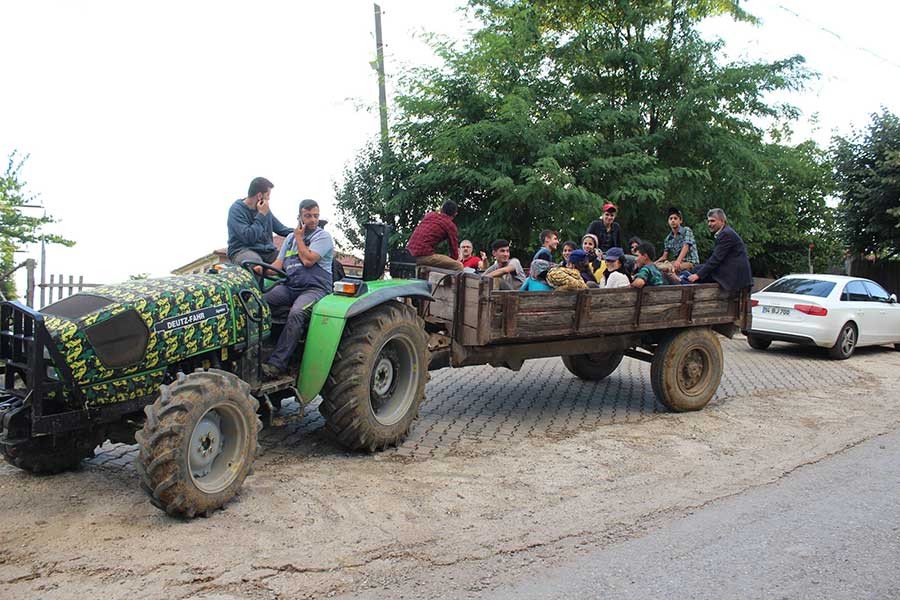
(507, 271)
(251, 223)
(306, 257)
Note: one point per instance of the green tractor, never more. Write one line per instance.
(174, 365)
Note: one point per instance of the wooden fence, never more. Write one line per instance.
(61, 289)
(54, 291)
(885, 272)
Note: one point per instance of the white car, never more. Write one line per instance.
(831, 311)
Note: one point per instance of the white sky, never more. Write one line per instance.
(145, 121)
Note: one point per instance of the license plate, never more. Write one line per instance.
(776, 310)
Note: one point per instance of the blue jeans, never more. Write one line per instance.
(301, 302)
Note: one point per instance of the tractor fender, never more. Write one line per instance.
(326, 327)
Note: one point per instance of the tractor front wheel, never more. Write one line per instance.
(377, 382)
(198, 443)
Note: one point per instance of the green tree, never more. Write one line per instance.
(553, 108)
(867, 172)
(16, 227)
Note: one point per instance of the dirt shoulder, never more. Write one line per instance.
(319, 522)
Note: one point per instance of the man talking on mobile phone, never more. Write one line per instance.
(251, 223)
(306, 256)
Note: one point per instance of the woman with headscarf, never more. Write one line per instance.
(595, 264)
(537, 277)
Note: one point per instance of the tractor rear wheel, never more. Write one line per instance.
(377, 382)
(686, 369)
(198, 442)
(593, 367)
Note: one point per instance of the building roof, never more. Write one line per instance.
(221, 255)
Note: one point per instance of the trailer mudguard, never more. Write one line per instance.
(326, 326)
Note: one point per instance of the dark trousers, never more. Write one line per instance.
(242, 255)
(300, 303)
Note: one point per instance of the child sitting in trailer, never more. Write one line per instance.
(537, 277)
(571, 276)
(567, 248)
(615, 271)
(595, 265)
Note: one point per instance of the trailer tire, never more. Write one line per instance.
(758, 342)
(686, 369)
(377, 381)
(198, 443)
(593, 367)
(51, 454)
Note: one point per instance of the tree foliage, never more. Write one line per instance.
(16, 227)
(554, 107)
(867, 171)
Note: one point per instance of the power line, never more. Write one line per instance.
(838, 37)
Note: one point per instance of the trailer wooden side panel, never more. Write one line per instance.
(475, 314)
(586, 313)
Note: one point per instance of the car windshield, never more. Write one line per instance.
(802, 286)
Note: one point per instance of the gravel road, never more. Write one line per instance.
(463, 518)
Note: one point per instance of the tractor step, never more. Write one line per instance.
(276, 385)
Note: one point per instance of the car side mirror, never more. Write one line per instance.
(893, 298)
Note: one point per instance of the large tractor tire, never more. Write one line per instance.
(51, 454)
(593, 367)
(686, 369)
(198, 443)
(377, 382)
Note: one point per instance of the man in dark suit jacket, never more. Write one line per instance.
(728, 266)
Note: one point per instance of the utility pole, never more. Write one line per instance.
(382, 95)
(386, 158)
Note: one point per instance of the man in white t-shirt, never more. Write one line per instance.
(306, 257)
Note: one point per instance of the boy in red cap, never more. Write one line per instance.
(606, 229)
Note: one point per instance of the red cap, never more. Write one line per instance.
(609, 206)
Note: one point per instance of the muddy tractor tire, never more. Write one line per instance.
(51, 454)
(377, 382)
(198, 443)
(686, 369)
(593, 367)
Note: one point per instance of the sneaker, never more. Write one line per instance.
(271, 372)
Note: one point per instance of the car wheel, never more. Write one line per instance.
(758, 343)
(845, 344)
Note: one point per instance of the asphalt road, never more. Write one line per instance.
(827, 530)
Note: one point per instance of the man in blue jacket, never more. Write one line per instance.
(728, 266)
(251, 223)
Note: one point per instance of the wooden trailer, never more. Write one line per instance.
(673, 327)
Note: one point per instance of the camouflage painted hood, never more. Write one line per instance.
(127, 334)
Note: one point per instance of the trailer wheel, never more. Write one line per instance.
(377, 382)
(198, 443)
(593, 367)
(51, 454)
(686, 369)
(758, 342)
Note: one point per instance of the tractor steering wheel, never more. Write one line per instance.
(265, 275)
